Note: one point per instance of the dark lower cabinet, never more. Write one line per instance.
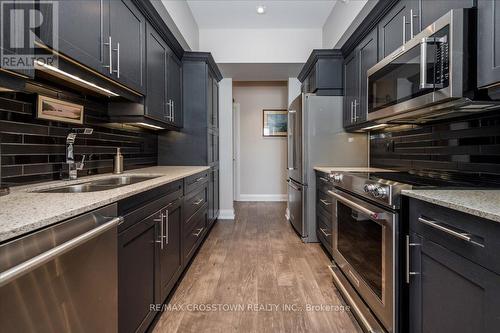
(213, 195)
(194, 230)
(136, 275)
(450, 293)
(453, 271)
(169, 251)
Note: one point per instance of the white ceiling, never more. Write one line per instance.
(242, 14)
(260, 72)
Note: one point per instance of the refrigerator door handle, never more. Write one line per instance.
(291, 140)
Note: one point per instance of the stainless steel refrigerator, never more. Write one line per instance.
(316, 137)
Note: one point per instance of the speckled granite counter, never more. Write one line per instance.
(482, 203)
(349, 169)
(23, 211)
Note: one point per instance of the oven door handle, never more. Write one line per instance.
(358, 207)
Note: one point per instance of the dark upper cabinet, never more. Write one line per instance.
(449, 293)
(395, 27)
(322, 73)
(432, 10)
(169, 252)
(368, 57)
(156, 73)
(137, 275)
(174, 89)
(351, 74)
(488, 42)
(356, 66)
(215, 104)
(127, 30)
(84, 31)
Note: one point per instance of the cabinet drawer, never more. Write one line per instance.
(325, 202)
(196, 181)
(323, 183)
(472, 237)
(193, 232)
(324, 231)
(194, 201)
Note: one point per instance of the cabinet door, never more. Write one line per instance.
(450, 293)
(215, 103)
(368, 57)
(127, 29)
(83, 32)
(488, 41)
(157, 51)
(169, 258)
(432, 10)
(210, 100)
(394, 29)
(211, 197)
(216, 193)
(136, 275)
(351, 87)
(174, 89)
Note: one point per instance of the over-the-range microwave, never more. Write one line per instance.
(431, 76)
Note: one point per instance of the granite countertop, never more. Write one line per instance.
(23, 211)
(482, 203)
(328, 169)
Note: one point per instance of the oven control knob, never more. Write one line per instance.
(380, 192)
(369, 188)
(337, 178)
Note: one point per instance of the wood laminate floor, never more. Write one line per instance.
(254, 274)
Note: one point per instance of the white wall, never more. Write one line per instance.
(226, 149)
(340, 19)
(183, 18)
(293, 89)
(260, 45)
(262, 160)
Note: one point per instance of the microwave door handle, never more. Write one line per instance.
(423, 61)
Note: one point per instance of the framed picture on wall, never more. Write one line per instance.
(54, 109)
(275, 123)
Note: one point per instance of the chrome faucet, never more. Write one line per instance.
(70, 155)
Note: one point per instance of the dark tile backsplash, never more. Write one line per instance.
(33, 150)
(466, 146)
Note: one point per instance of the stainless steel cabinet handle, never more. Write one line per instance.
(110, 54)
(199, 232)
(408, 272)
(326, 203)
(352, 111)
(198, 202)
(355, 110)
(412, 29)
(323, 179)
(441, 226)
(166, 228)
(199, 179)
(117, 50)
(404, 29)
(173, 111)
(355, 206)
(324, 232)
(30, 264)
(160, 220)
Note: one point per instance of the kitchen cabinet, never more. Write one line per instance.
(453, 271)
(488, 42)
(322, 73)
(213, 195)
(395, 28)
(169, 252)
(137, 275)
(174, 89)
(356, 66)
(324, 211)
(156, 72)
(193, 232)
(432, 10)
(351, 74)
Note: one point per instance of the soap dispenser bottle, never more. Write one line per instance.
(118, 168)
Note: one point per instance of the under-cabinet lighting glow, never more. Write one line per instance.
(147, 125)
(74, 77)
(374, 127)
(261, 10)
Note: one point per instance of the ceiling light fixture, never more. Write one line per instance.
(261, 10)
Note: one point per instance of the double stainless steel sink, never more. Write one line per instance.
(98, 185)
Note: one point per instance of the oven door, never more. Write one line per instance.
(363, 248)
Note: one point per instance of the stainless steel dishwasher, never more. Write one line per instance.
(62, 278)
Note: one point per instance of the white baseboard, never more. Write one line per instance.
(226, 214)
(262, 197)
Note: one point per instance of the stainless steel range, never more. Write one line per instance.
(366, 236)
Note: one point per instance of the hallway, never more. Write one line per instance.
(254, 274)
